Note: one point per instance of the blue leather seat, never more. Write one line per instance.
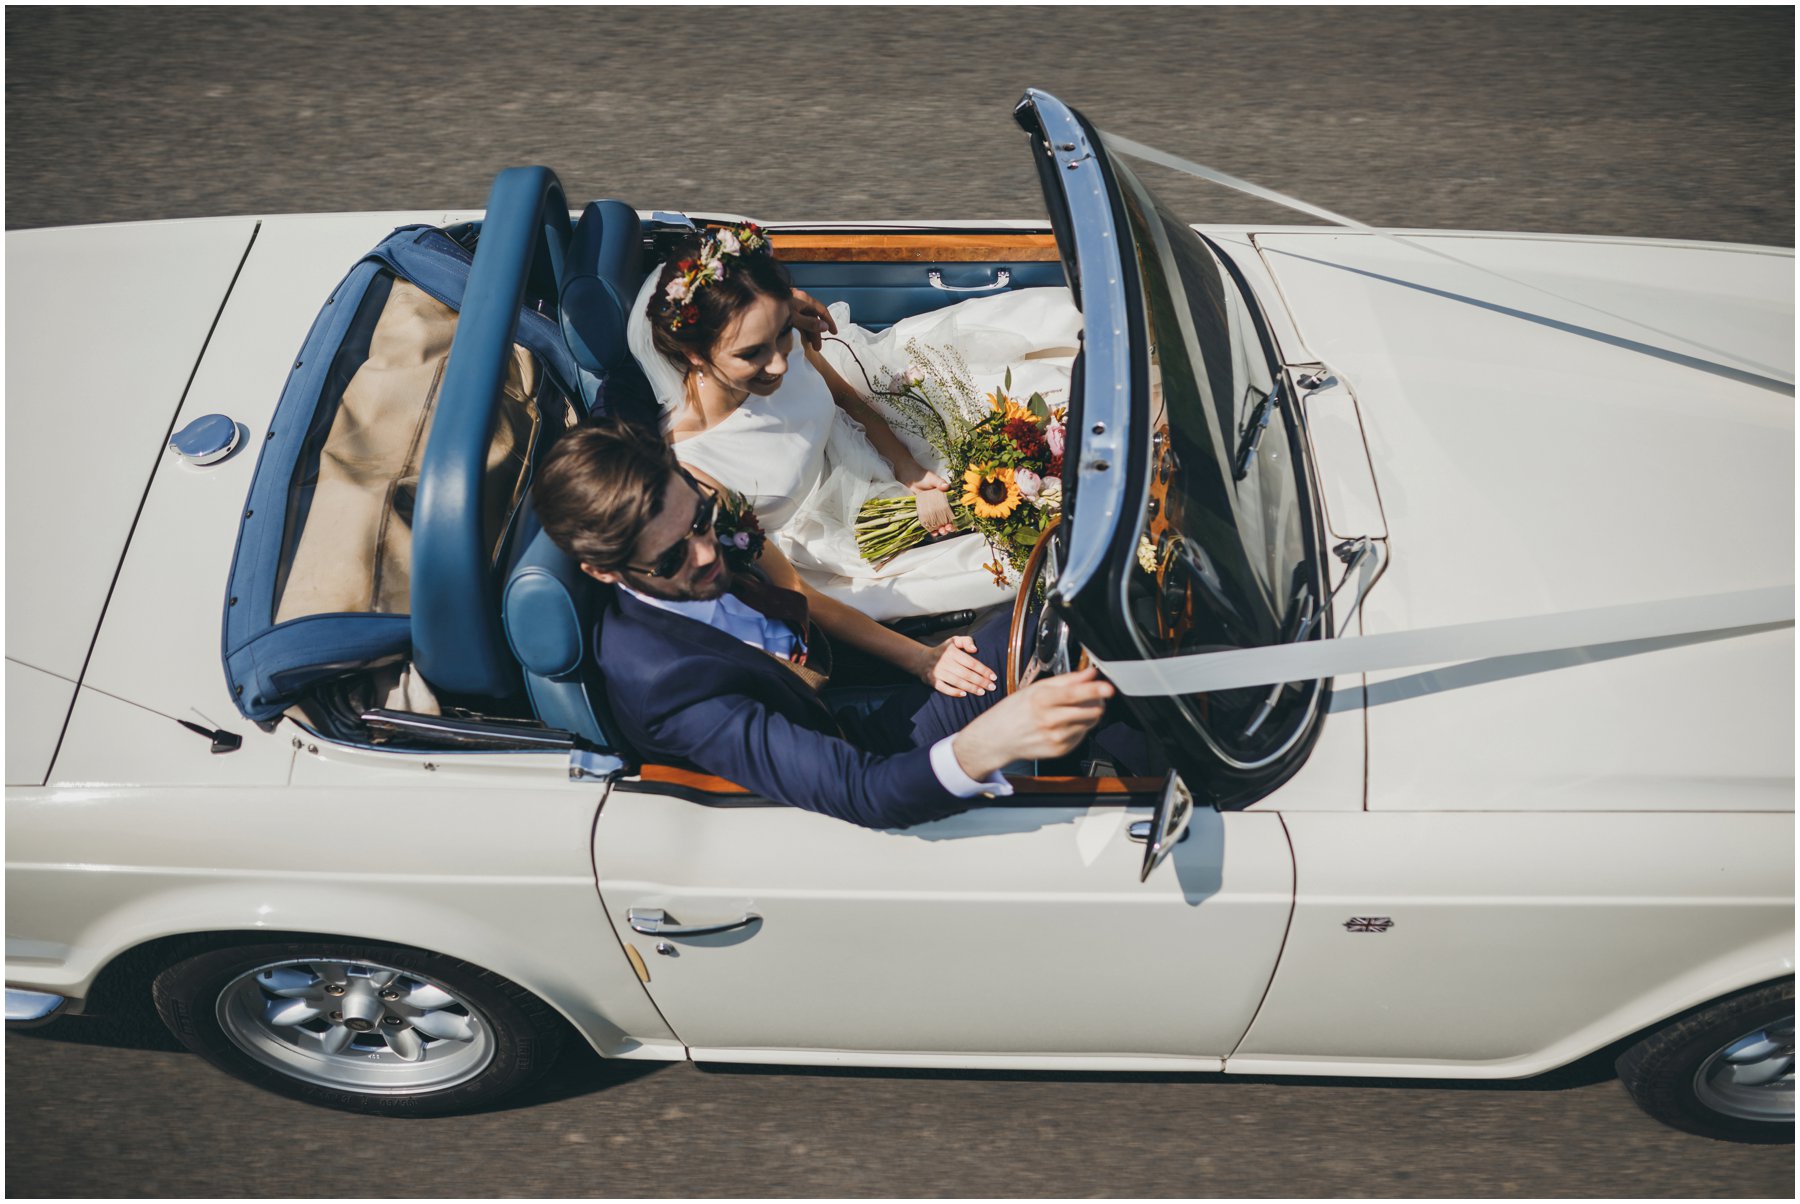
(602, 272)
(551, 611)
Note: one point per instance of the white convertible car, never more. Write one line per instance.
(1447, 577)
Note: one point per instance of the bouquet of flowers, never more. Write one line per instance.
(1005, 460)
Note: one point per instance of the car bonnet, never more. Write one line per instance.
(1539, 453)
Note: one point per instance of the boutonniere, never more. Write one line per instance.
(741, 537)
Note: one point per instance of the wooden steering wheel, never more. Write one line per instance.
(1056, 650)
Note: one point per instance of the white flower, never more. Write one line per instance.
(717, 268)
(677, 290)
(1053, 487)
(728, 243)
(915, 375)
(1028, 482)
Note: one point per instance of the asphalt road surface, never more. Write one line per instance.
(134, 1117)
(1658, 122)
(1667, 123)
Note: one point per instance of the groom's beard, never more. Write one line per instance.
(703, 590)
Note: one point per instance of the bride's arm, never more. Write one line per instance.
(928, 486)
(950, 667)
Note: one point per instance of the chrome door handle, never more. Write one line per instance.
(654, 921)
(1140, 832)
(1002, 278)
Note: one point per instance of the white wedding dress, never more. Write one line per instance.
(807, 467)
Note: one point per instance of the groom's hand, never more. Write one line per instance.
(1046, 719)
(811, 319)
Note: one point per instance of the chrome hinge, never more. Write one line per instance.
(587, 763)
(1312, 377)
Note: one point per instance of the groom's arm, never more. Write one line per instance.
(736, 737)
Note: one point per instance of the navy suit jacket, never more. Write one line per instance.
(683, 691)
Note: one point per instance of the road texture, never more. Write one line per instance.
(98, 1108)
(1668, 123)
(1659, 122)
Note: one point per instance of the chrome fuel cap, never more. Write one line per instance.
(206, 439)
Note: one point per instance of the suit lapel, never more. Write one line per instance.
(679, 629)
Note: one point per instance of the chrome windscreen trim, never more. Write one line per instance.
(1106, 343)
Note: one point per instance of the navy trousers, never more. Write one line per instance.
(915, 715)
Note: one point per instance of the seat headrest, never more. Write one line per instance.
(548, 609)
(601, 277)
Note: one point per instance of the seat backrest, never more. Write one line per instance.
(602, 273)
(551, 612)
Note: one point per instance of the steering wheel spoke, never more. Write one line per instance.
(1054, 650)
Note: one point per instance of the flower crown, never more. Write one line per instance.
(692, 275)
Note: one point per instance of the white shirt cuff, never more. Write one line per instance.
(951, 776)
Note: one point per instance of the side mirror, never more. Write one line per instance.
(1169, 824)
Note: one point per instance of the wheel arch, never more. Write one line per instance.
(551, 939)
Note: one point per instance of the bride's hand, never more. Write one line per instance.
(952, 668)
(931, 495)
(811, 319)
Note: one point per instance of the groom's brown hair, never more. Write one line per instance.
(599, 487)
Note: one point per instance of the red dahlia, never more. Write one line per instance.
(1026, 436)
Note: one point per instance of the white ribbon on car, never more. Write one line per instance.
(1750, 371)
(1310, 660)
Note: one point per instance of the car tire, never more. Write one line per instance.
(364, 1027)
(1718, 1071)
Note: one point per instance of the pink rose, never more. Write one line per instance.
(678, 289)
(728, 242)
(1054, 436)
(1028, 482)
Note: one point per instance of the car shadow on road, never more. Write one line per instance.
(117, 1030)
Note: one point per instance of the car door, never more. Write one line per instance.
(1010, 934)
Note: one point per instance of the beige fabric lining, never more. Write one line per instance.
(354, 553)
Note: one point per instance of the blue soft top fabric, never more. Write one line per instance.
(269, 664)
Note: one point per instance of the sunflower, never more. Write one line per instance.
(1008, 408)
(990, 492)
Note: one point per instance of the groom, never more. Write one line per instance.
(708, 668)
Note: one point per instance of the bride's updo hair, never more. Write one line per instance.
(709, 309)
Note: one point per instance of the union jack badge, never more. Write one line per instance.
(1368, 924)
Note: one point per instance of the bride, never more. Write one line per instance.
(748, 405)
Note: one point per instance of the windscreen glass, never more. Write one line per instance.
(1222, 559)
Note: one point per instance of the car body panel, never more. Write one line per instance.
(85, 427)
(461, 860)
(1528, 470)
(1518, 942)
(37, 707)
(1010, 930)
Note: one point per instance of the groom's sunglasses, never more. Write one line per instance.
(672, 561)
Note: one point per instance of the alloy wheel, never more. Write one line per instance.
(356, 1026)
